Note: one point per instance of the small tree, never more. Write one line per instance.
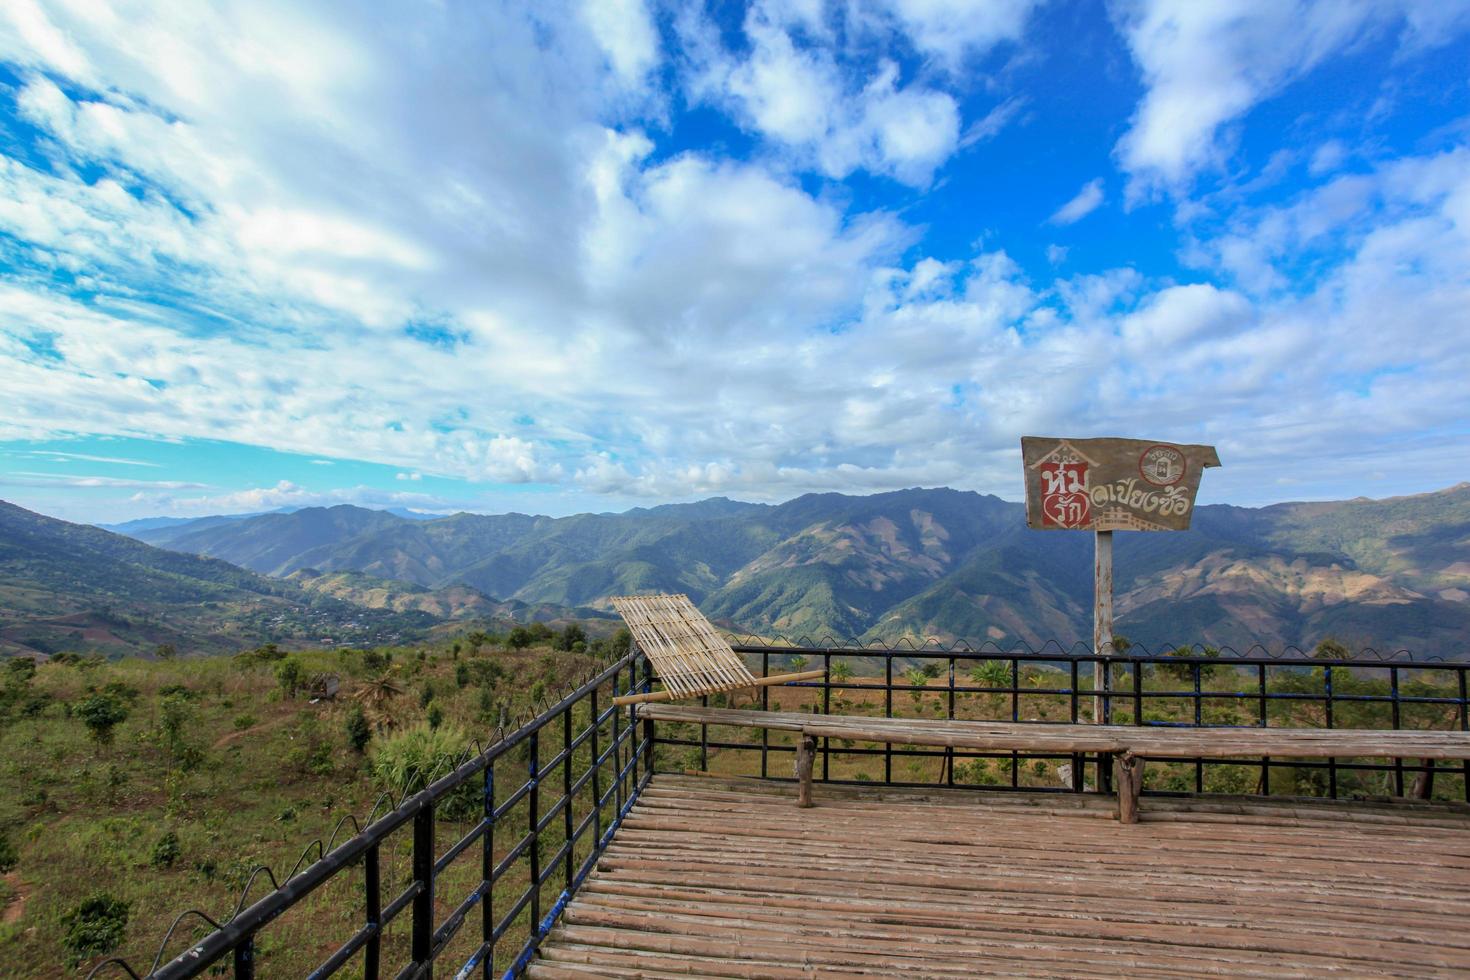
(94, 927)
(166, 851)
(1331, 649)
(101, 713)
(461, 674)
(570, 637)
(359, 733)
(518, 638)
(435, 717)
(290, 674)
(841, 671)
(166, 651)
(798, 663)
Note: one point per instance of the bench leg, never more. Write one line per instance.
(806, 753)
(1129, 771)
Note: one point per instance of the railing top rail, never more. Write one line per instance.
(1079, 652)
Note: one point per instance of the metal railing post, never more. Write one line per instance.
(487, 872)
(423, 902)
(596, 739)
(1328, 715)
(826, 709)
(373, 886)
(1398, 764)
(566, 787)
(888, 713)
(245, 959)
(1464, 727)
(533, 819)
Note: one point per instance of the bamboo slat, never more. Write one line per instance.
(690, 656)
(1177, 743)
(878, 882)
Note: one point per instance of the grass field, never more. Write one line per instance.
(220, 766)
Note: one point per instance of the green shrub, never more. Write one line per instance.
(435, 716)
(410, 760)
(518, 638)
(359, 732)
(101, 713)
(94, 927)
(243, 722)
(461, 674)
(269, 652)
(570, 637)
(166, 851)
(290, 675)
(9, 857)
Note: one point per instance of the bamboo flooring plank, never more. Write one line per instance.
(722, 877)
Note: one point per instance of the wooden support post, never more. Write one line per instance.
(1102, 618)
(1424, 782)
(1128, 769)
(806, 751)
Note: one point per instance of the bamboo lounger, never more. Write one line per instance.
(691, 658)
(1129, 746)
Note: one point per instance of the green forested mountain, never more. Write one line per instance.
(920, 563)
(72, 587)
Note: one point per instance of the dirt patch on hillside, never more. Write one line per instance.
(16, 907)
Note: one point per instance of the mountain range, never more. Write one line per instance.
(76, 588)
(915, 564)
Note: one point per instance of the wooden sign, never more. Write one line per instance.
(1111, 484)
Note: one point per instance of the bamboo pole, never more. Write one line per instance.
(805, 675)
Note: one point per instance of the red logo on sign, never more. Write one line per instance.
(1064, 500)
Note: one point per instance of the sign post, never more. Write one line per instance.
(1102, 619)
(1107, 485)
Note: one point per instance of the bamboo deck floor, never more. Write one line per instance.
(727, 878)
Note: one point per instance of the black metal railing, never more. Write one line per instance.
(592, 758)
(548, 796)
(1178, 689)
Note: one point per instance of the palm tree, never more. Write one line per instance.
(378, 691)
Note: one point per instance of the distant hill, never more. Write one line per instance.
(80, 588)
(450, 602)
(925, 563)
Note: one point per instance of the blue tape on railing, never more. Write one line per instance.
(557, 906)
(472, 962)
(524, 960)
(549, 920)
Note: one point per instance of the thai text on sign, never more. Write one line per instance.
(1111, 484)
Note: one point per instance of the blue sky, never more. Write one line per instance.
(562, 257)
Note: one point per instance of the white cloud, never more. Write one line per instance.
(626, 32)
(1056, 254)
(433, 251)
(1206, 63)
(1086, 201)
(287, 494)
(954, 30)
(797, 90)
(24, 478)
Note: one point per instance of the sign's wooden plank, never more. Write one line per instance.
(1111, 484)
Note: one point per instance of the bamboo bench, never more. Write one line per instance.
(1128, 745)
